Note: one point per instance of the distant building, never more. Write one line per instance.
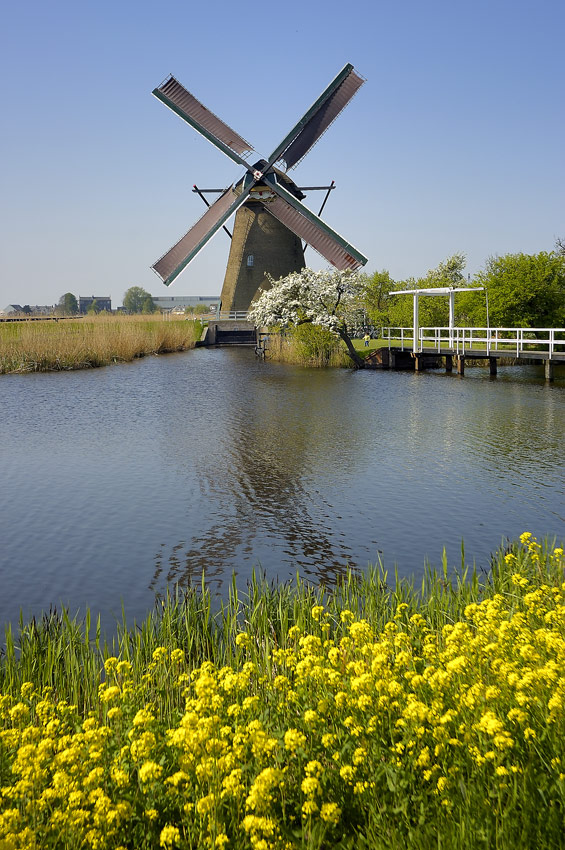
(103, 302)
(35, 310)
(167, 303)
(42, 310)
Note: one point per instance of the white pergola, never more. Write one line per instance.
(450, 291)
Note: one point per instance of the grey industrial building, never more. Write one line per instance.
(167, 303)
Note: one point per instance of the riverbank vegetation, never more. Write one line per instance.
(367, 715)
(522, 290)
(517, 290)
(90, 341)
(307, 345)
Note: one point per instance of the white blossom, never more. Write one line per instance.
(328, 298)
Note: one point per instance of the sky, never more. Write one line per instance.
(454, 144)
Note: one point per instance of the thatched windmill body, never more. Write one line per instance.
(271, 221)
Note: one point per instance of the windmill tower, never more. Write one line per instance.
(271, 221)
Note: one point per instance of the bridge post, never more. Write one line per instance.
(548, 370)
(419, 362)
(449, 363)
(493, 366)
(460, 361)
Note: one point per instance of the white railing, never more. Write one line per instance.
(405, 336)
(233, 315)
(515, 342)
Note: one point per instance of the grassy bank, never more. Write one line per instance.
(307, 345)
(93, 341)
(365, 716)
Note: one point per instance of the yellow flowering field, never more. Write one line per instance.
(434, 720)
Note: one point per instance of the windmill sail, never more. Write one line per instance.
(179, 256)
(305, 224)
(187, 107)
(318, 118)
(285, 206)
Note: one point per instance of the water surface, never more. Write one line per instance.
(117, 482)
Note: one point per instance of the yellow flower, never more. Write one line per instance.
(330, 812)
(309, 808)
(170, 835)
(123, 668)
(120, 777)
(313, 768)
(359, 755)
(525, 537)
(317, 612)
(519, 580)
(310, 786)
(111, 664)
(110, 693)
(150, 771)
(143, 718)
(26, 690)
(205, 804)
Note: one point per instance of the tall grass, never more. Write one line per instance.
(67, 653)
(93, 341)
(307, 345)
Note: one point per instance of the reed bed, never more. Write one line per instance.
(307, 345)
(93, 341)
(368, 715)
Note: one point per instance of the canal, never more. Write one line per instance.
(120, 482)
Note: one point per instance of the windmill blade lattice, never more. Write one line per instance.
(187, 107)
(318, 118)
(171, 264)
(302, 221)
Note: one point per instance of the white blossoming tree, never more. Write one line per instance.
(330, 299)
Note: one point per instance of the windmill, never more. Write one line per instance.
(271, 221)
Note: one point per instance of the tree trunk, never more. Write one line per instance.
(358, 361)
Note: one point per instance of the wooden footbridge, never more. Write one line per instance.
(545, 346)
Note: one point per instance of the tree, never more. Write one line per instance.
(525, 290)
(149, 305)
(93, 308)
(135, 299)
(68, 305)
(330, 299)
(376, 296)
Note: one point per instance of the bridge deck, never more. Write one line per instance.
(484, 354)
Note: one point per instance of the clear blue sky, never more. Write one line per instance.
(455, 143)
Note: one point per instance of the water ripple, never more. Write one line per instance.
(121, 481)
